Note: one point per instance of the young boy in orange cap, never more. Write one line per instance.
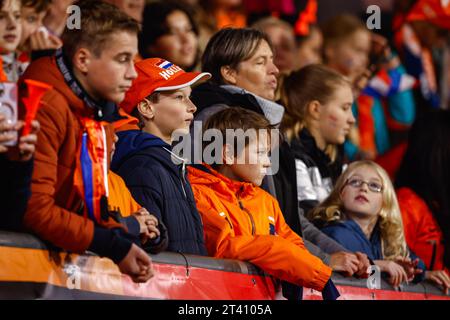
(160, 98)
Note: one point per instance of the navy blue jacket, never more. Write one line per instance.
(159, 183)
(350, 235)
(15, 190)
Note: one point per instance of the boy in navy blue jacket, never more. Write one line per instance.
(156, 177)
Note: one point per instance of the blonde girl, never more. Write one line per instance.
(362, 214)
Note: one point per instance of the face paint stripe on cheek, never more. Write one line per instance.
(333, 120)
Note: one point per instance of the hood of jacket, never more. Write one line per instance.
(136, 142)
(45, 70)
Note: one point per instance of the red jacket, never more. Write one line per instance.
(422, 232)
(242, 221)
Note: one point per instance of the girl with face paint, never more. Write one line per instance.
(318, 117)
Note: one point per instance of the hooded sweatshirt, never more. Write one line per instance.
(157, 180)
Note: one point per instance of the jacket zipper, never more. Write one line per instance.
(183, 170)
(183, 178)
(248, 212)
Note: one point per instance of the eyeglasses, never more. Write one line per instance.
(357, 183)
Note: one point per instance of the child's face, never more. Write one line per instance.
(283, 42)
(31, 22)
(10, 26)
(110, 75)
(336, 117)
(350, 56)
(174, 111)
(252, 163)
(310, 51)
(180, 45)
(364, 199)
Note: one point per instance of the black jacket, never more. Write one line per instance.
(208, 94)
(318, 173)
(146, 164)
(15, 190)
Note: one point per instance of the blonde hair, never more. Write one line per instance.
(393, 243)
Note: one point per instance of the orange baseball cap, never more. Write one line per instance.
(156, 74)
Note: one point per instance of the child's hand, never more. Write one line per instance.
(137, 264)
(6, 134)
(152, 225)
(27, 144)
(440, 277)
(43, 40)
(397, 273)
(148, 225)
(409, 266)
(364, 265)
(344, 262)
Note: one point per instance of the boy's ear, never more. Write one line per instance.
(227, 154)
(146, 109)
(314, 110)
(82, 59)
(228, 74)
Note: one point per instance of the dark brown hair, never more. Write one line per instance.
(155, 25)
(38, 5)
(232, 119)
(230, 47)
(99, 21)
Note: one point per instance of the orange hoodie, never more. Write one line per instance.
(242, 221)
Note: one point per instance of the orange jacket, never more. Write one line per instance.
(120, 198)
(422, 232)
(52, 208)
(242, 221)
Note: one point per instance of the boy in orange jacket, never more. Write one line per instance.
(242, 221)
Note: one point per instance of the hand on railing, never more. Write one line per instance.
(439, 277)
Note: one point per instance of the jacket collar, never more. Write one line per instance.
(206, 175)
(272, 111)
(304, 147)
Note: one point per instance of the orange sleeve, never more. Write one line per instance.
(61, 227)
(277, 256)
